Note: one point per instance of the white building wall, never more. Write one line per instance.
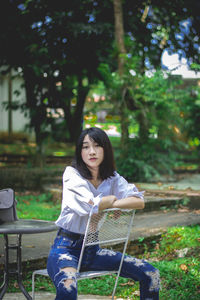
(18, 119)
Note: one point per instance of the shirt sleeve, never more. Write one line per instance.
(123, 189)
(77, 195)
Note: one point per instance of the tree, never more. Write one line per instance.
(52, 48)
(62, 44)
(150, 28)
(121, 52)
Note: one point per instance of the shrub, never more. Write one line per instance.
(147, 161)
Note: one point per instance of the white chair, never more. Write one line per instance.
(112, 226)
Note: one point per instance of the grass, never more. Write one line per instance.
(37, 206)
(176, 255)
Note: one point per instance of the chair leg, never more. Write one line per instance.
(33, 286)
(115, 286)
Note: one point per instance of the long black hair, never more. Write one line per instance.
(107, 167)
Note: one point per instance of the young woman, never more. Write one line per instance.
(93, 183)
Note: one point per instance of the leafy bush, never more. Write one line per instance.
(147, 161)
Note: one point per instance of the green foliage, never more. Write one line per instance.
(37, 206)
(179, 278)
(191, 115)
(177, 238)
(177, 258)
(113, 83)
(146, 161)
(195, 66)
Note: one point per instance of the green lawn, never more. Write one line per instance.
(37, 206)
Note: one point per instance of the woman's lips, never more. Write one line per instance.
(93, 159)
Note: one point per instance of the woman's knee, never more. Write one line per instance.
(153, 277)
(142, 271)
(67, 285)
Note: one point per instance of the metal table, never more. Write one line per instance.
(19, 228)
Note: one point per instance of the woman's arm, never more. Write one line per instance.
(107, 202)
(112, 202)
(129, 202)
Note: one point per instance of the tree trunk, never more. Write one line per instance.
(119, 36)
(37, 117)
(10, 127)
(143, 125)
(74, 120)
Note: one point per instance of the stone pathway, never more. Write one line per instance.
(190, 182)
(49, 296)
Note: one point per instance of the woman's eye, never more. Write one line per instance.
(85, 147)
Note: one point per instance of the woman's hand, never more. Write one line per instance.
(107, 202)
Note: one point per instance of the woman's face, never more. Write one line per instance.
(92, 154)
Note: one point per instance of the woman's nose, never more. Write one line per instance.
(92, 150)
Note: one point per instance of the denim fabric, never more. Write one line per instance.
(65, 253)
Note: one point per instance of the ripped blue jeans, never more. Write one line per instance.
(65, 252)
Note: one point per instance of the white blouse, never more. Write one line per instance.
(77, 193)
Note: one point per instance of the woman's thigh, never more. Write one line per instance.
(64, 253)
(134, 268)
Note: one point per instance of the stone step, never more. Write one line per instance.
(169, 198)
(155, 203)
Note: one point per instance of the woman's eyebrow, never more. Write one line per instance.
(85, 142)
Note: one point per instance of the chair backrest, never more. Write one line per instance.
(108, 227)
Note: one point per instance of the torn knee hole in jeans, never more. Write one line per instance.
(70, 279)
(68, 283)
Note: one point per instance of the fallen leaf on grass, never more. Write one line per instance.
(182, 252)
(127, 283)
(183, 267)
(26, 202)
(155, 259)
(136, 293)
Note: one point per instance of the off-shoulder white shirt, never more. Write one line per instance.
(77, 193)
